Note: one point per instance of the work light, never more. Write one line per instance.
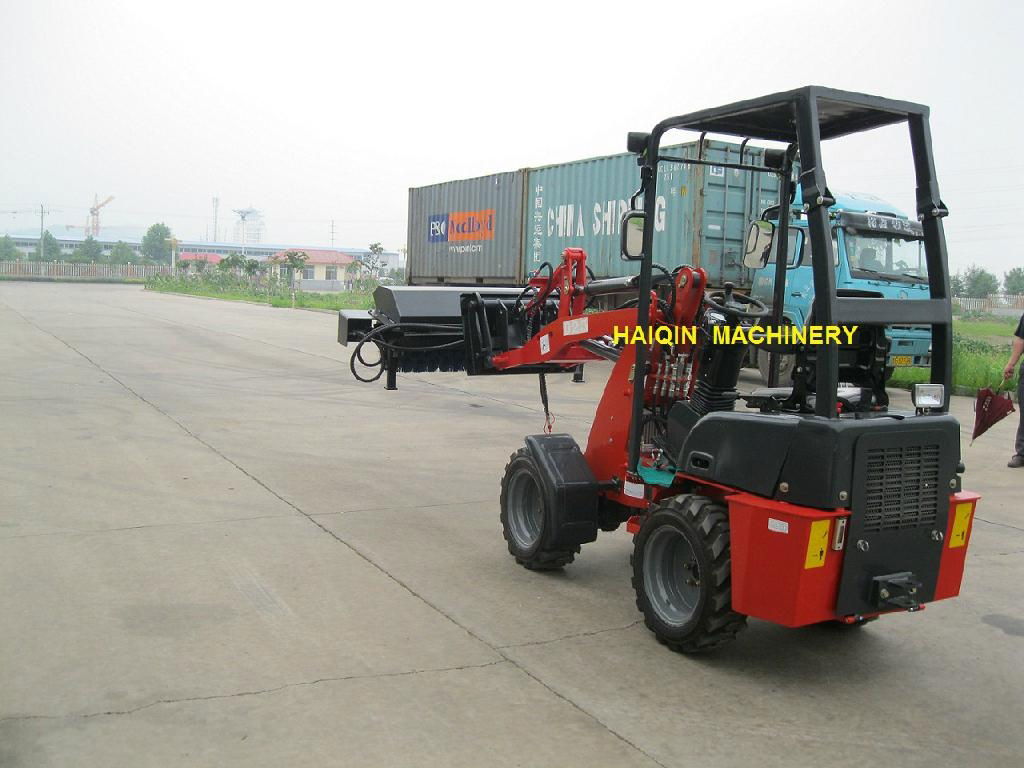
(929, 395)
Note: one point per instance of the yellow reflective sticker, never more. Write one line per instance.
(817, 544)
(961, 519)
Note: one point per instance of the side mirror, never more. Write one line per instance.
(632, 244)
(636, 143)
(759, 241)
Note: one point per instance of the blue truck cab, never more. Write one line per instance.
(878, 250)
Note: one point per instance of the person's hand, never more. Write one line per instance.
(1008, 371)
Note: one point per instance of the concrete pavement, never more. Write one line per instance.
(218, 549)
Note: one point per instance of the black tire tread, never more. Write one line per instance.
(542, 559)
(719, 624)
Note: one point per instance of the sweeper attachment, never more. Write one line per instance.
(799, 504)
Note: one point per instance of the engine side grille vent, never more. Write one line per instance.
(901, 488)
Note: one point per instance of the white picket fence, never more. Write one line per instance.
(69, 271)
(993, 303)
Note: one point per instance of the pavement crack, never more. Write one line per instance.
(572, 636)
(120, 529)
(1001, 525)
(256, 692)
(359, 553)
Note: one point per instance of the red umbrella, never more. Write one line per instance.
(989, 408)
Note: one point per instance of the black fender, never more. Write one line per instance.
(570, 489)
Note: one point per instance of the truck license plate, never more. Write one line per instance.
(902, 360)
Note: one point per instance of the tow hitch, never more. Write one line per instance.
(896, 590)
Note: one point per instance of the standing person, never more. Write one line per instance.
(1015, 355)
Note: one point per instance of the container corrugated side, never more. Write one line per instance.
(467, 231)
(700, 218)
(731, 199)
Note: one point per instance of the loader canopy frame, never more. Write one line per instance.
(802, 118)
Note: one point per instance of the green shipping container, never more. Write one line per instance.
(701, 217)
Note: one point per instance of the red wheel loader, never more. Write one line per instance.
(807, 503)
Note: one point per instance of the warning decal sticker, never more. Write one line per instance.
(817, 544)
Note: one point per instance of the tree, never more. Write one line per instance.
(956, 285)
(89, 252)
(50, 249)
(1013, 281)
(979, 282)
(232, 262)
(293, 261)
(8, 251)
(352, 271)
(253, 267)
(121, 253)
(372, 261)
(156, 244)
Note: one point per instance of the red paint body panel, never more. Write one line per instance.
(607, 446)
(769, 577)
(951, 566)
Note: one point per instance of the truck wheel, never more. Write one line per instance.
(525, 519)
(785, 367)
(681, 574)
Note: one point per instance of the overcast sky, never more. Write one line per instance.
(314, 111)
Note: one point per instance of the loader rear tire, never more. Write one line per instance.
(681, 574)
(525, 519)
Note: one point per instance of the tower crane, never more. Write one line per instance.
(92, 224)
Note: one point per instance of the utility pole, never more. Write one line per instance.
(216, 207)
(332, 233)
(42, 243)
(174, 249)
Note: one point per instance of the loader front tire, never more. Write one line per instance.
(525, 519)
(681, 574)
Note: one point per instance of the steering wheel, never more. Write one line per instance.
(735, 304)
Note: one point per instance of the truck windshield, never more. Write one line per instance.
(893, 258)
(794, 250)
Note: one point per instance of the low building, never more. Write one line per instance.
(324, 270)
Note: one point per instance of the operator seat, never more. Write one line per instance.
(861, 366)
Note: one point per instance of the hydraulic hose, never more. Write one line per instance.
(373, 337)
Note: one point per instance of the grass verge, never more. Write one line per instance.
(981, 347)
(232, 288)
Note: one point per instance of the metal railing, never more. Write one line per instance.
(991, 303)
(71, 271)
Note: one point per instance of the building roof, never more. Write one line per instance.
(319, 256)
(212, 258)
(133, 236)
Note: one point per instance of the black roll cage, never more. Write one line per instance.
(802, 118)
